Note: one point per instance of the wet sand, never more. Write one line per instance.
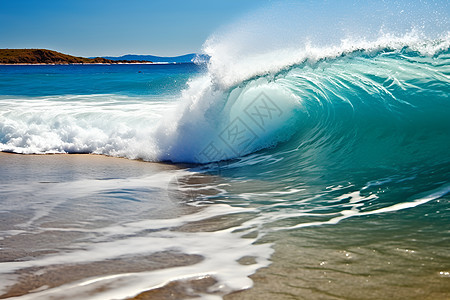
(28, 234)
(20, 241)
(355, 259)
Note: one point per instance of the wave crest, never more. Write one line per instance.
(320, 90)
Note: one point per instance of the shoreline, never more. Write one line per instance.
(51, 57)
(97, 160)
(168, 164)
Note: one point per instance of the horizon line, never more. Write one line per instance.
(32, 48)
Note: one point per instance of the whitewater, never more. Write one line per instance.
(267, 100)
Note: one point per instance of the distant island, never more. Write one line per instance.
(187, 58)
(44, 56)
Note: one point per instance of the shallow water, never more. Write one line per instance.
(75, 225)
(70, 228)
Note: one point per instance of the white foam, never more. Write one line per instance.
(103, 124)
(220, 249)
(355, 212)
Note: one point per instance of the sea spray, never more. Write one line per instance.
(254, 59)
(216, 123)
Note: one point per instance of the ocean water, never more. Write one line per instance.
(320, 171)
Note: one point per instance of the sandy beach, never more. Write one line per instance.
(59, 206)
(73, 219)
(62, 223)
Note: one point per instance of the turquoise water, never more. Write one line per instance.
(329, 164)
(134, 80)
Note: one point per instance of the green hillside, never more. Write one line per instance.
(44, 56)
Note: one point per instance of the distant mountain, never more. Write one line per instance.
(44, 56)
(187, 58)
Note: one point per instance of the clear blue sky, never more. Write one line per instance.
(113, 27)
(176, 27)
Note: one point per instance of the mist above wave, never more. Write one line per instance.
(285, 34)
